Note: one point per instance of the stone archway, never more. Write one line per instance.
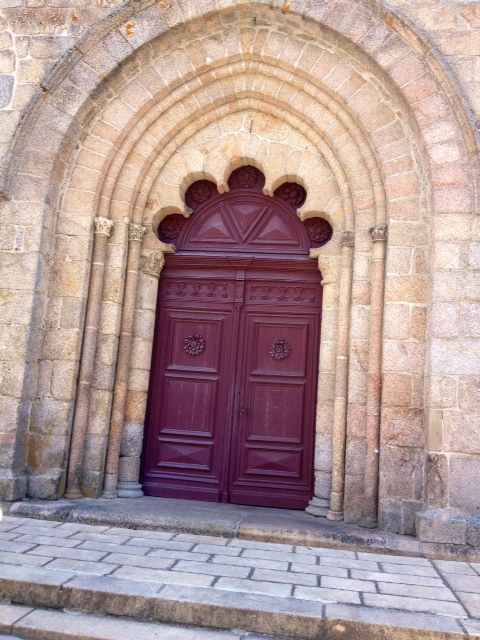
(361, 108)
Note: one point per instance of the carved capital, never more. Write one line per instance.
(152, 263)
(379, 233)
(329, 267)
(136, 232)
(103, 226)
(347, 239)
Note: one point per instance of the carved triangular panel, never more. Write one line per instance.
(275, 231)
(246, 216)
(216, 228)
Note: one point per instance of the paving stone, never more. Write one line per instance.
(396, 578)
(471, 601)
(81, 566)
(166, 577)
(472, 627)
(5, 535)
(9, 614)
(213, 569)
(413, 604)
(35, 586)
(394, 559)
(463, 583)
(7, 526)
(153, 543)
(333, 553)
(254, 544)
(62, 552)
(138, 561)
(257, 563)
(23, 559)
(454, 567)
(327, 595)
(254, 586)
(15, 547)
(107, 547)
(58, 625)
(348, 584)
(319, 570)
(387, 623)
(31, 530)
(285, 577)
(187, 537)
(59, 542)
(93, 536)
(475, 566)
(180, 555)
(139, 533)
(218, 549)
(410, 570)
(366, 565)
(114, 596)
(74, 527)
(280, 556)
(419, 591)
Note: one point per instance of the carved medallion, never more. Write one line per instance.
(294, 194)
(194, 344)
(318, 229)
(279, 349)
(170, 227)
(200, 192)
(247, 177)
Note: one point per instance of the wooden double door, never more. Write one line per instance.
(233, 389)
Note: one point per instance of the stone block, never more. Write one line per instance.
(6, 90)
(47, 486)
(398, 516)
(447, 525)
(463, 488)
(132, 439)
(34, 586)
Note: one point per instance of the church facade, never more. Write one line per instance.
(240, 252)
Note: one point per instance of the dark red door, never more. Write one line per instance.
(232, 399)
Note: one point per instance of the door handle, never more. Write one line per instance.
(243, 410)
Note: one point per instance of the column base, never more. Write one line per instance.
(368, 523)
(129, 490)
(335, 516)
(74, 495)
(110, 486)
(318, 507)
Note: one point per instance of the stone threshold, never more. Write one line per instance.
(40, 588)
(281, 526)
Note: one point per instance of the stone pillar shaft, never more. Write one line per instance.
(136, 233)
(341, 380)
(103, 227)
(370, 508)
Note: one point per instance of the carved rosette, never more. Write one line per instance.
(170, 228)
(200, 192)
(152, 263)
(103, 226)
(194, 344)
(279, 349)
(379, 233)
(348, 239)
(136, 232)
(294, 194)
(318, 229)
(247, 177)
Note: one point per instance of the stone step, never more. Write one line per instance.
(46, 624)
(211, 608)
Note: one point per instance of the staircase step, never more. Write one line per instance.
(44, 624)
(208, 608)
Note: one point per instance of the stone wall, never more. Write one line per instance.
(372, 109)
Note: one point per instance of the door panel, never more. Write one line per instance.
(232, 398)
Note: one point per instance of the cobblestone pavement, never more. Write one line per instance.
(323, 575)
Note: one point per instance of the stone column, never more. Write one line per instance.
(329, 268)
(151, 265)
(136, 233)
(103, 228)
(374, 385)
(341, 379)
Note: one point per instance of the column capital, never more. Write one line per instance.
(379, 233)
(347, 239)
(136, 232)
(152, 262)
(103, 226)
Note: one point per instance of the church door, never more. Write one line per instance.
(233, 388)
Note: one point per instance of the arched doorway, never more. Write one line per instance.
(234, 373)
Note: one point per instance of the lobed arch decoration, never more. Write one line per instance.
(357, 117)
